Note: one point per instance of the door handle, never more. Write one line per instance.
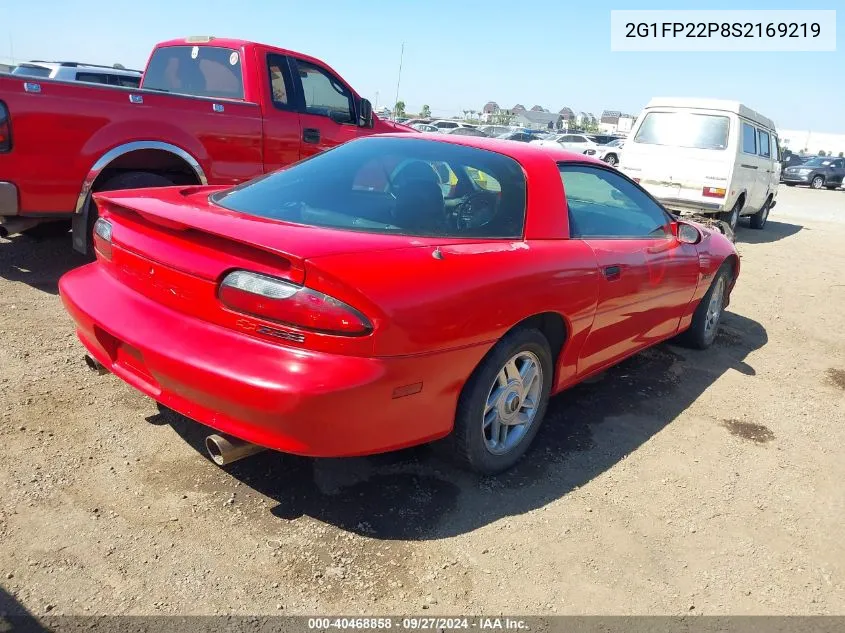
(612, 272)
(311, 135)
(748, 166)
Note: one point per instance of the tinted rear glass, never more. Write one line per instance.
(202, 71)
(394, 186)
(684, 129)
(32, 71)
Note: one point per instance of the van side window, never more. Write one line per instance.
(763, 138)
(775, 149)
(749, 139)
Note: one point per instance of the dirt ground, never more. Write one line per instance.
(680, 482)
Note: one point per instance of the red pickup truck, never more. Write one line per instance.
(208, 111)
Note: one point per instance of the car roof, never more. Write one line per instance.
(520, 152)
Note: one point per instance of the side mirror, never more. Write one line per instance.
(688, 234)
(365, 117)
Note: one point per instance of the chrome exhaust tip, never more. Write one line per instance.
(225, 450)
(95, 365)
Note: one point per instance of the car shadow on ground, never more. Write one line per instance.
(772, 232)
(15, 617)
(414, 494)
(38, 262)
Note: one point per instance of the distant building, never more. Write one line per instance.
(518, 108)
(613, 122)
(534, 120)
(812, 142)
(491, 107)
(585, 119)
(538, 108)
(566, 113)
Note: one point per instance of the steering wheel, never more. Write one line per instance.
(475, 210)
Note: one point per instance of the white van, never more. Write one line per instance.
(706, 156)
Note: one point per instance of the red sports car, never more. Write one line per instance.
(392, 291)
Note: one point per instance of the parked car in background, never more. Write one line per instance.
(604, 139)
(706, 156)
(791, 160)
(610, 152)
(73, 71)
(278, 312)
(425, 127)
(495, 130)
(574, 142)
(448, 124)
(522, 137)
(412, 122)
(209, 110)
(817, 172)
(465, 131)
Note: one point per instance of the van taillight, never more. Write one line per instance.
(713, 192)
(5, 129)
(291, 304)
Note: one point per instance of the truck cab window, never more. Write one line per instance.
(324, 95)
(281, 90)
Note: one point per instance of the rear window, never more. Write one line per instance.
(394, 186)
(202, 71)
(32, 71)
(684, 129)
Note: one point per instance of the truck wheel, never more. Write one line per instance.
(817, 182)
(126, 180)
(503, 403)
(731, 218)
(758, 220)
(705, 320)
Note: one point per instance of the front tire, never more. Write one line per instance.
(611, 160)
(707, 316)
(503, 403)
(731, 218)
(817, 182)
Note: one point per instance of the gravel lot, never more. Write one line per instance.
(679, 482)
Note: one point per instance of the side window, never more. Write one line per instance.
(281, 91)
(775, 148)
(569, 138)
(324, 95)
(749, 139)
(763, 145)
(93, 78)
(125, 81)
(839, 163)
(604, 204)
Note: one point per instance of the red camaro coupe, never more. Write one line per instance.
(391, 291)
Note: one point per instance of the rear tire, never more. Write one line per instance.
(758, 220)
(731, 218)
(611, 160)
(707, 316)
(126, 180)
(510, 385)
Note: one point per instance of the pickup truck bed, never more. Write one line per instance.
(209, 110)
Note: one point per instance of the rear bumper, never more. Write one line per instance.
(280, 397)
(8, 199)
(677, 204)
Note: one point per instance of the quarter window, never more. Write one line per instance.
(324, 95)
(749, 139)
(763, 138)
(280, 83)
(604, 204)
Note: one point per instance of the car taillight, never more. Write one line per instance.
(102, 237)
(291, 304)
(636, 180)
(5, 129)
(713, 192)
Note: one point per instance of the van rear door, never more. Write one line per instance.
(682, 157)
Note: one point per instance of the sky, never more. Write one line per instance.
(457, 55)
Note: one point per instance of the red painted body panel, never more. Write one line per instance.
(60, 133)
(434, 318)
